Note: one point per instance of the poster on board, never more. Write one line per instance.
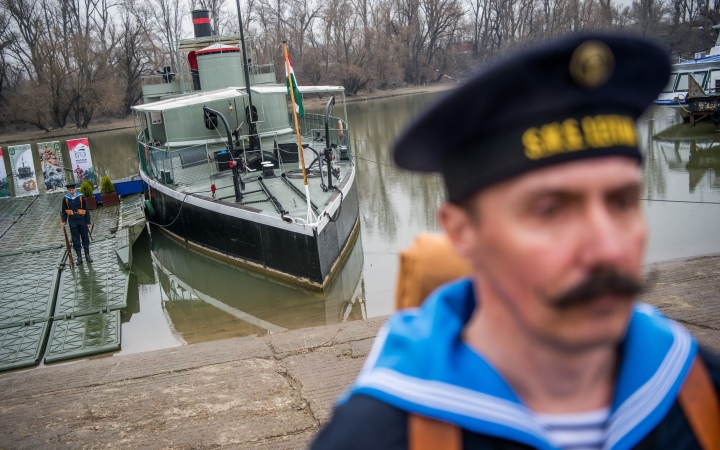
(51, 166)
(4, 182)
(80, 160)
(23, 170)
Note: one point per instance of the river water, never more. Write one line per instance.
(178, 296)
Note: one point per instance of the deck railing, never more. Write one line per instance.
(195, 165)
(186, 166)
(313, 126)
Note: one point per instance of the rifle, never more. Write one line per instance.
(67, 247)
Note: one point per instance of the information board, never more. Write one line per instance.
(23, 170)
(81, 161)
(51, 166)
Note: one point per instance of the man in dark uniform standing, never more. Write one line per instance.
(76, 214)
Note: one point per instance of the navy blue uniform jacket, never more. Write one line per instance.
(74, 205)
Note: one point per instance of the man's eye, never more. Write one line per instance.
(623, 201)
(548, 208)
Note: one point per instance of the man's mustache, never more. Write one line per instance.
(599, 283)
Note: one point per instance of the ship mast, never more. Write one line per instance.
(252, 127)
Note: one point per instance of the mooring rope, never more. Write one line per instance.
(677, 201)
(182, 203)
(336, 216)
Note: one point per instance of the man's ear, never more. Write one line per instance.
(461, 229)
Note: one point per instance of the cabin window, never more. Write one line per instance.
(671, 83)
(682, 84)
(700, 78)
(713, 81)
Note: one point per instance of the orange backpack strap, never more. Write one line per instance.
(428, 263)
(699, 401)
(430, 434)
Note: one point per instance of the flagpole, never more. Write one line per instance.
(310, 215)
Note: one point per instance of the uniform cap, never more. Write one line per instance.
(574, 98)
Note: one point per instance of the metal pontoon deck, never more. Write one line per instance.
(47, 308)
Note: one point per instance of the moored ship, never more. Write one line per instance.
(702, 72)
(221, 155)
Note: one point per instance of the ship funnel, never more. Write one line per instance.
(201, 23)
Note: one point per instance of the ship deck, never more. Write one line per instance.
(198, 179)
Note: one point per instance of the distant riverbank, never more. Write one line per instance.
(128, 122)
(362, 97)
(68, 131)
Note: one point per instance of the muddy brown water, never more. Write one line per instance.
(178, 296)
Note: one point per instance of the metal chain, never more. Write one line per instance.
(254, 201)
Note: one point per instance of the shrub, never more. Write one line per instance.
(87, 188)
(106, 185)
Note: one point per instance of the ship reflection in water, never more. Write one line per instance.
(204, 298)
(681, 186)
(694, 150)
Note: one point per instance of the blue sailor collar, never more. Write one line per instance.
(420, 364)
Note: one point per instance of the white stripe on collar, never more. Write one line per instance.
(443, 396)
(643, 401)
(454, 400)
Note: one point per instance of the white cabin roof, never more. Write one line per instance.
(192, 99)
(227, 93)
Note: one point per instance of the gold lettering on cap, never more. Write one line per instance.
(592, 64)
(601, 131)
(533, 144)
(551, 136)
(572, 135)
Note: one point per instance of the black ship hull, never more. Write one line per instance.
(304, 254)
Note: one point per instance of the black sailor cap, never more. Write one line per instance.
(574, 98)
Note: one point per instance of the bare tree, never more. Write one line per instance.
(648, 15)
(76, 60)
(135, 54)
(303, 13)
(168, 15)
(6, 39)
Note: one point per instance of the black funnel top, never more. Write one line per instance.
(201, 22)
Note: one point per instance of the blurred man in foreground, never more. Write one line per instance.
(544, 346)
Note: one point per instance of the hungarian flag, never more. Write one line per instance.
(290, 78)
